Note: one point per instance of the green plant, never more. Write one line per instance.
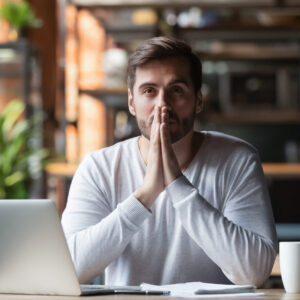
(19, 14)
(20, 159)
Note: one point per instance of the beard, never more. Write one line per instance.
(184, 126)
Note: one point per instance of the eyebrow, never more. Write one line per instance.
(176, 81)
(147, 84)
(182, 81)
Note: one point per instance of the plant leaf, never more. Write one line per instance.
(14, 178)
(12, 112)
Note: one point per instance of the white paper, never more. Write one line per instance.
(188, 295)
(201, 289)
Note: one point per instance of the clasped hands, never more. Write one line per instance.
(162, 164)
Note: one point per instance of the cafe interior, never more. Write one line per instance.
(63, 75)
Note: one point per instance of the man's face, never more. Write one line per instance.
(165, 82)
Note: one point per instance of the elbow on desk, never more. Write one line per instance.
(254, 273)
(82, 270)
(84, 273)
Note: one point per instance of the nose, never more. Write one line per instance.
(163, 99)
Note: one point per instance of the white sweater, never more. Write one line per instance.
(214, 224)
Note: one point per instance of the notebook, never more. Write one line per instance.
(34, 256)
(201, 289)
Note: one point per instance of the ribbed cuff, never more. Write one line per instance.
(134, 210)
(179, 189)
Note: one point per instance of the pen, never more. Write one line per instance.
(141, 292)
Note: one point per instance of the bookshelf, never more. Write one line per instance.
(236, 45)
(17, 65)
(111, 97)
(238, 38)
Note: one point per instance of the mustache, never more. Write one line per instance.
(171, 117)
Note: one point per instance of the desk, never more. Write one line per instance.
(274, 294)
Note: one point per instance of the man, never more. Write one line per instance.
(172, 205)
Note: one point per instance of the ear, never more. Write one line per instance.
(199, 102)
(130, 103)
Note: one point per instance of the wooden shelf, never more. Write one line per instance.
(240, 33)
(260, 54)
(61, 169)
(108, 90)
(270, 169)
(111, 97)
(252, 117)
(174, 3)
(282, 170)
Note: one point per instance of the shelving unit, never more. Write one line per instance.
(245, 45)
(112, 97)
(20, 76)
(227, 40)
(16, 69)
(230, 49)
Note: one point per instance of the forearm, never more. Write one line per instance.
(96, 246)
(243, 255)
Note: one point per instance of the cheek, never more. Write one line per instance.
(143, 110)
(184, 107)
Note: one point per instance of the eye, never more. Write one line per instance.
(148, 91)
(177, 89)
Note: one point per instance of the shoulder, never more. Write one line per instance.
(107, 157)
(233, 157)
(226, 150)
(223, 143)
(125, 148)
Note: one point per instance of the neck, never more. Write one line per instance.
(184, 149)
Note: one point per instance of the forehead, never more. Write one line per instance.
(165, 69)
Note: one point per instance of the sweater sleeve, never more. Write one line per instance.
(240, 238)
(96, 233)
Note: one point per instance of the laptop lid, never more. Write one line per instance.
(34, 256)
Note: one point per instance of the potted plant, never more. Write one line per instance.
(18, 15)
(20, 159)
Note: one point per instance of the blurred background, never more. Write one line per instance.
(63, 86)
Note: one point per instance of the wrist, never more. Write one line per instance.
(145, 197)
(172, 177)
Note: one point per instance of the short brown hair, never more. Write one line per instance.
(160, 48)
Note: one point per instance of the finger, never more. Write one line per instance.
(158, 114)
(165, 129)
(165, 137)
(170, 164)
(154, 123)
(164, 116)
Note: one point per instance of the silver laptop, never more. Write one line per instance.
(34, 256)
